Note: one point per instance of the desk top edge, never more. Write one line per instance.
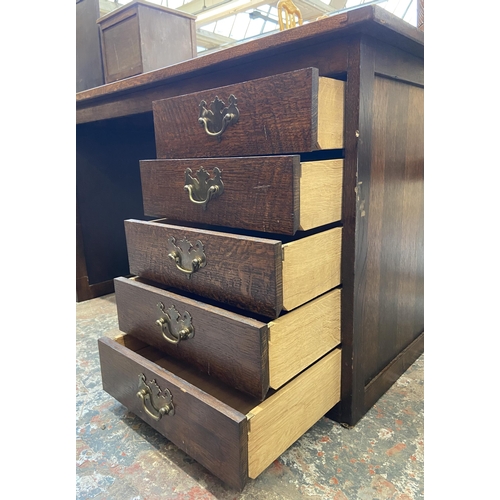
(344, 24)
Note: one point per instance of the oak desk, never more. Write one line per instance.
(381, 59)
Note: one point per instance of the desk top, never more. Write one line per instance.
(372, 20)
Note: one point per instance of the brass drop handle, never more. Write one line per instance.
(174, 328)
(202, 188)
(195, 263)
(217, 117)
(159, 400)
(226, 121)
(211, 193)
(188, 258)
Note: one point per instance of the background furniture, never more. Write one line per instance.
(89, 71)
(381, 59)
(141, 36)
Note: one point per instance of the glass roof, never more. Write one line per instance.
(222, 23)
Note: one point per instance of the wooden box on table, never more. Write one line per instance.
(142, 36)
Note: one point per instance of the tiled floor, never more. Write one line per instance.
(118, 456)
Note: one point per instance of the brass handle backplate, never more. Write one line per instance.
(155, 401)
(173, 327)
(202, 188)
(188, 258)
(217, 117)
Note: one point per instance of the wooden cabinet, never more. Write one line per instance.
(281, 335)
(142, 36)
(379, 60)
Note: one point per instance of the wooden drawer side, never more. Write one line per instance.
(209, 431)
(299, 338)
(311, 266)
(282, 418)
(320, 193)
(331, 108)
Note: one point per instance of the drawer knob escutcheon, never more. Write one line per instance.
(202, 188)
(188, 258)
(173, 327)
(159, 401)
(217, 117)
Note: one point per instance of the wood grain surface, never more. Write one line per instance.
(382, 252)
(277, 115)
(331, 109)
(228, 346)
(260, 193)
(320, 193)
(393, 277)
(108, 190)
(302, 336)
(249, 355)
(241, 271)
(371, 19)
(381, 60)
(208, 430)
(281, 419)
(272, 194)
(311, 266)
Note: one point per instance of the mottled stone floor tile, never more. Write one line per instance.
(120, 457)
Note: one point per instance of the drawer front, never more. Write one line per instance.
(228, 346)
(268, 194)
(287, 113)
(246, 354)
(244, 272)
(259, 275)
(230, 434)
(205, 428)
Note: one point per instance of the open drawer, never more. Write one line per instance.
(234, 436)
(249, 355)
(271, 194)
(294, 112)
(261, 275)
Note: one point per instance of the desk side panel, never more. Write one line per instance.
(108, 189)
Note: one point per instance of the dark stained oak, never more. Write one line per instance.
(278, 114)
(265, 56)
(395, 220)
(203, 426)
(260, 193)
(225, 345)
(380, 58)
(108, 190)
(241, 271)
(382, 306)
